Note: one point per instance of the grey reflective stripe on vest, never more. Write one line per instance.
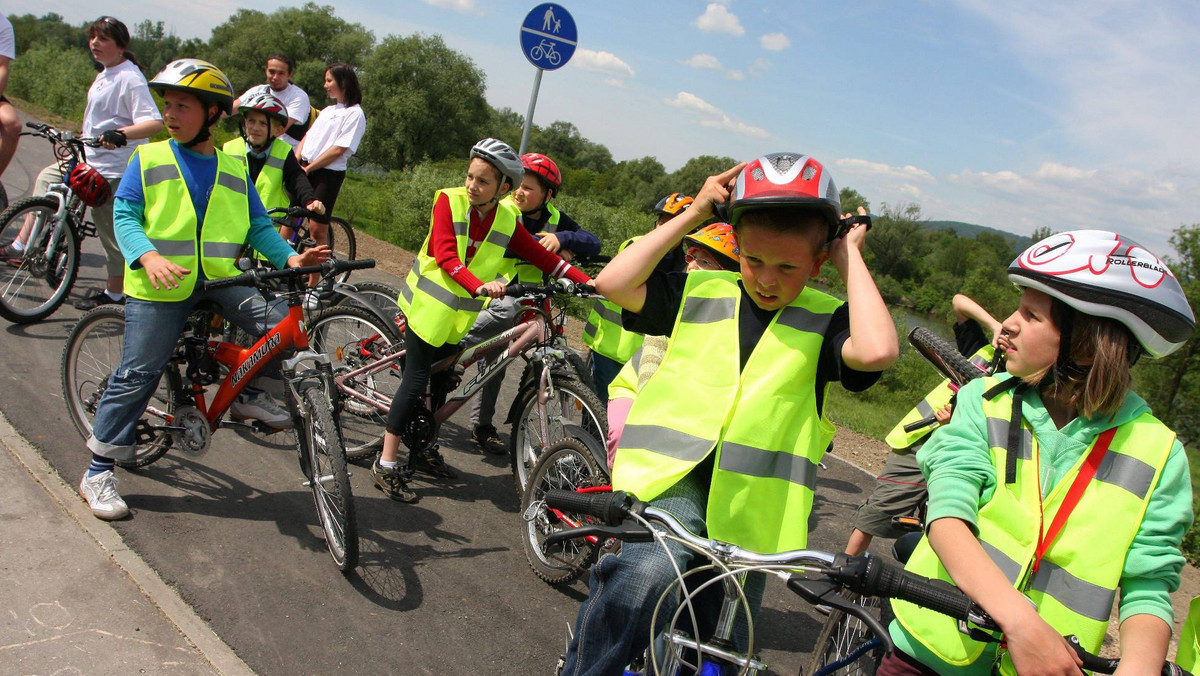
(760, 462)
(1010, 568)
(606, 313)
(668, 442)
(803, 319)
(998, 437)
(156, 175)
(274, 162)
(231, 182)
(174, 247)
(924, 409)
(222, 249)
(1127, 472)
(589, 329)
(1080, 596)
(443, 296)
(242, 158)
(637, 359)
(498, 238)
(460, 228)
(699, 310)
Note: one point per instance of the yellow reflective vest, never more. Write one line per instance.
(1076, 582)
(438, 308)
(523, 271)
(761, 420)
(1188, 656)
(903, 442)
(269, 183)
(170, 222)
(603, 332)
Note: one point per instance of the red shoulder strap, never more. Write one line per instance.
(1074, 493)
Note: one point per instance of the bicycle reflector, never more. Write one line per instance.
(89, 185)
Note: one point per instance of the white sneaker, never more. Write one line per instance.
(100, 491)
(312, 300)
(263, 409)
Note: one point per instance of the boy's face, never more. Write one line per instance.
(776, 265)
(483, 182)
(184, 114)
(258, 127)
(277, 74)
(530, 195)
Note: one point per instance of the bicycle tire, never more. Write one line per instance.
(342, 243)
(352, 337)
(944, 356)
(3, 198)
(382, 298)
(572, 397)
(566, 465)
(328, 477)
(34, 286)
(92, 352)
(840, 636)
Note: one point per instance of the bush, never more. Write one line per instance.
(55, 79)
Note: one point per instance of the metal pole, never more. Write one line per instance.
(537, 83)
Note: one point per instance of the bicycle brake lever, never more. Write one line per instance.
(626, 532)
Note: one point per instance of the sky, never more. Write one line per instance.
(1016, 115)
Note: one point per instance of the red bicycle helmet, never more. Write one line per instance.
(785, 180)
(89, 185)
(544, 168)
(267, 104)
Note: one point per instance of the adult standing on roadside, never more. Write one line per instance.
(325, 151)
(279, 84)
(10, 126)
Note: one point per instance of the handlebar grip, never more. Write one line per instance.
(612, 508)
(884, 578)
(920, 424)
(520, 289)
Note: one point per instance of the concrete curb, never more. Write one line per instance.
(158, 592)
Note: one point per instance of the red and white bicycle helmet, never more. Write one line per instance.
(266, 103)
(785, 180)
(89, 185)
(1105, 274)
(544, 168)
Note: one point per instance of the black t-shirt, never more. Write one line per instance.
(969, 337)
(664, 295)
(295, 181)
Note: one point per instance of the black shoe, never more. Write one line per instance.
(430, 462)
(489, 440)
(96, 300)
(392, 483)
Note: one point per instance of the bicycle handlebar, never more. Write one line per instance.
(257, 277)
(293, 212)
(46, 131)
(520, 290)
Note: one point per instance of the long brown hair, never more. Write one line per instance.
(1097, 375)
(113, 29)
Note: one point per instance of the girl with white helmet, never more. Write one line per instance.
(1054, 488)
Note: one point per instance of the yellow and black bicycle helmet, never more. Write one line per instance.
(201, 79)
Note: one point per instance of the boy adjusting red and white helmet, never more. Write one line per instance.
(785, 180)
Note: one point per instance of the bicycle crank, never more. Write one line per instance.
(190, 431)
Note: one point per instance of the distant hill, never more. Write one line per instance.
(970, 230)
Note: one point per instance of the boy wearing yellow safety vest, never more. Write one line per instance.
(727, 433)
(461, 261)
(611, 344)
(182, 213)
(1053, 492)
(900, 489)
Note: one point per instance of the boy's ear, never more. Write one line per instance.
(818, 261)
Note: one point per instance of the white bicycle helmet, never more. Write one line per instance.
(1104, 274)
(267, 104)
(500, 155)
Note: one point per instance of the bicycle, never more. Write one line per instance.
(292, 222)
(34, 283)
(182, 415)
(553, 402)
(816, 576)
(546, 49)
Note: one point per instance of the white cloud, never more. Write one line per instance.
(461, 6)
(689, 101)
(602, 62)
(703, 61)
(614, 82)
(775, 42)
(735, 75)
(866, 168)
(741, 128)
(714, 118)
(760, 66)
(718, 19)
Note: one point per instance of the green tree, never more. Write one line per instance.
(897, 242)
(689, 178)
(423, 100)
(155, 48)
(852, 200)
(47, 32)
(53, 78)
(634, 182)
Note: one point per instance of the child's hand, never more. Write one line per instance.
(163, 273)
(493, 289)
(942, 415)
(715, 191)
(550, 241)
(313, 256)
(1036, 649)
(854, 237)
(316, 206)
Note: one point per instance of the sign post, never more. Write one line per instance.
(548, 39)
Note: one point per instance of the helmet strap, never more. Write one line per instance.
(1065, 370)
(204, 134)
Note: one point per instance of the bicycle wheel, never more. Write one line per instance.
(342, 243)
(34, 284)
(841, 636)
(92, 353)
(566, 465)
(352, 337)
(3, 198)
(944, 356)
(572, 410)
(329, 480)
(381, 298)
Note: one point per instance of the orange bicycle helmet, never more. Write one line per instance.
(88, 185)
(720, 240)
(673, 204)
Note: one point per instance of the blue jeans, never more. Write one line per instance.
(613, 626)
(604, 371)
(151, 330)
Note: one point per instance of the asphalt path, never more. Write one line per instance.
(442, 586)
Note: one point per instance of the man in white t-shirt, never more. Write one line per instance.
(10, 125)
(279, 74)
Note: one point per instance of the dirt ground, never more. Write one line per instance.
(860, 450)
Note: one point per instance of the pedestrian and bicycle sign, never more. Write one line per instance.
(548, 36)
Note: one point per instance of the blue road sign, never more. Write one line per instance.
(548, 36)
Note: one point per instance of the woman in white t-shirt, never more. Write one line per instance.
(331, 139)
(122, 112)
